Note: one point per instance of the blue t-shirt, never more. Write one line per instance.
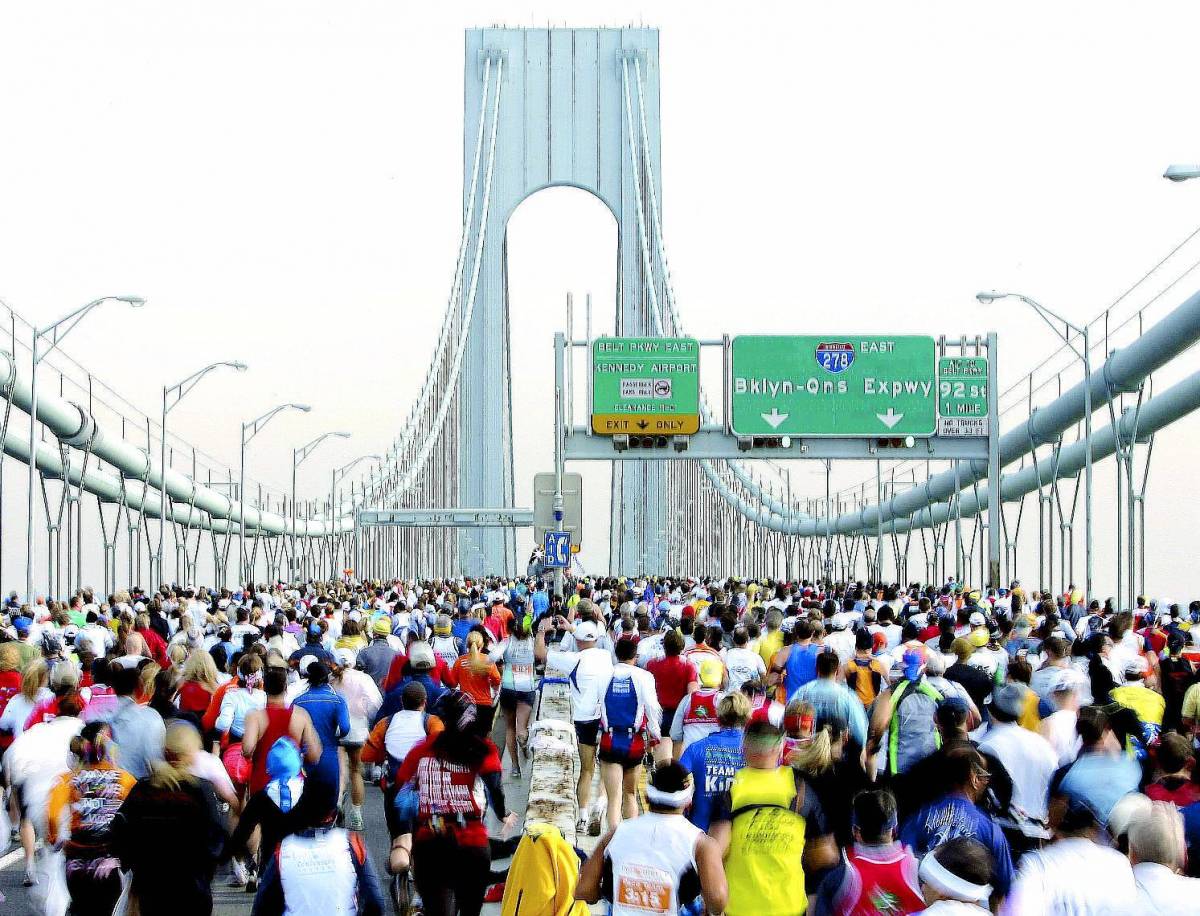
(461, 626)
(1100, 781)
(331, 721)
(955, 816)
(712, 761)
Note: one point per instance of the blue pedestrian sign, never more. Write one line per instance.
(558, 549)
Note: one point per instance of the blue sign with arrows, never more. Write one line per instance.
(558, 549)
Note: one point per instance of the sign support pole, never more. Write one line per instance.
(994, 501)
(878, 522)
(559, 346)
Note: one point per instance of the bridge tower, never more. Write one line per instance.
(563, 120)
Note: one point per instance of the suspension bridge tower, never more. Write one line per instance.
(566, 112)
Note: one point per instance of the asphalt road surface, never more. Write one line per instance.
(18, 900)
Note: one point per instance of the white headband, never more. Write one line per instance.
(936, 875)
(680, 799)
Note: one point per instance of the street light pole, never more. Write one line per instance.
(179, 391)
(36, 355)
(338, 474)
(255, 427)
(1050, 318)
(298, 457)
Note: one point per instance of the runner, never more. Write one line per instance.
(771, 831)
(658, 862)
(629, 727)
(449, 774)
(86, 799)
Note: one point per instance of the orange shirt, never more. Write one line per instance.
(477, 685)
(91, 797)
(214, 707)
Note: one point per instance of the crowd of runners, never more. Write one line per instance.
(761, 748)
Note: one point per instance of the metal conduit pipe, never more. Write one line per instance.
(1160, 411)
(1124, 370)
(1173, 404)
(71, 424)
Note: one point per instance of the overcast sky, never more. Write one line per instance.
(281, 181)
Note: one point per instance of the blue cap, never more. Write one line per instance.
(22, 624)
(283, 760)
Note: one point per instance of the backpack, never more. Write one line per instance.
(542, 876)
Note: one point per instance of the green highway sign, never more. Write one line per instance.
(646, 385)
(851, 385)
(962, 396)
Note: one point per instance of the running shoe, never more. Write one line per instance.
(240, 877)
(30, 877)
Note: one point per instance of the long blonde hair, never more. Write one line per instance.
(201, 668)
(475, 659)
(180, 744)
(815, 756)
(34, 679)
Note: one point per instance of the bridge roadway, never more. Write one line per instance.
(19, 901)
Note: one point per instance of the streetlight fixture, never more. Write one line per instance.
(1177, 172)
(298, 457)
(178, 392)
(338, 475)
(254, 427)
(55, 336)
(1065, 333)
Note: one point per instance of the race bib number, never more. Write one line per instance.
(644, 888)
(522, 677)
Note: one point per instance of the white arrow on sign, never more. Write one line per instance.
(774, 417)
(891, 418)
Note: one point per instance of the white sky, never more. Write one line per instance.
(281, 181)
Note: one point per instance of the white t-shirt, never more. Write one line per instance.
(1031, 763)
(1059, 729)
(1164, 892)
(743, 665)
(650, 648)
(1073, 877)
(588, 672)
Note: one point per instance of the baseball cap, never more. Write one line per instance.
(22, 625)
(711, 673)
(1135, 669)
(978, 620)
(442, 627)
(1009, 699)
(383, 627)
(345, 657)
(420, 656)
(1066, 681)
(587, 632)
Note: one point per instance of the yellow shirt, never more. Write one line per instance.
(766, 845)
(769, 645)
(1148, 705)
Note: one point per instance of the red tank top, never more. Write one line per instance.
(883, 885)
(701, 708)
(279, 720)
